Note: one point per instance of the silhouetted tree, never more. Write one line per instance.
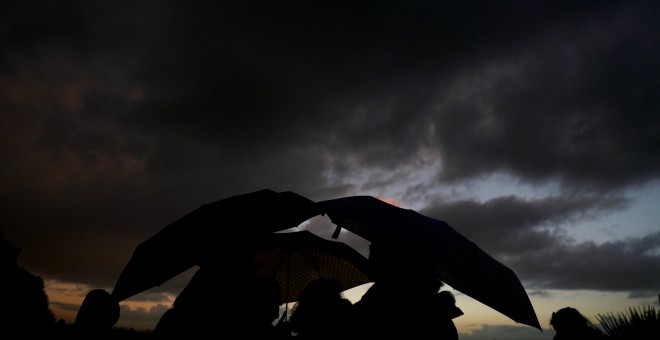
(25, 303)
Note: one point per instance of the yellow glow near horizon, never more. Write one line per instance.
(65, 300)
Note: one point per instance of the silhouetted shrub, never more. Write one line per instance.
(637, 323)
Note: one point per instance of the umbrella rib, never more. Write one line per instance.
(311, 262)
(288, 282)
(286, 256)
(288, 276)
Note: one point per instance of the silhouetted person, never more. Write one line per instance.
(260, 307)
(400, 304)
(445, 304)
(24, 305)
(195, 311)
(206, 305)
(97, 315)
(169, 325)
(570, 324)
(321, 312)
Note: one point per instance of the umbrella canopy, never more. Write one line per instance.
(459, 261)
(208, 234)
(295, 259)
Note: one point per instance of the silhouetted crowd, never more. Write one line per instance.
(405, 302)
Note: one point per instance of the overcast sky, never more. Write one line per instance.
(532, 127)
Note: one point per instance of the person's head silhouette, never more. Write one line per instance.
(447, 303)
(99, 312)
(317, 313)
(567, 319)
(569, 323)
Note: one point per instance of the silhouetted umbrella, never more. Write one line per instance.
(209, 234)
(295, 259)
(459, 262)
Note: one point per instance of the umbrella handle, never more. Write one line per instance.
(288, 286)
(284, 316)
(335, 234)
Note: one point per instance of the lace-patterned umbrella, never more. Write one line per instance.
(295, 259)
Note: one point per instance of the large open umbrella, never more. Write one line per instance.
(209, 234)
(459, 261)
(295, 259)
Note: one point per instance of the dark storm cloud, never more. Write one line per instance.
(528, 236)
(511, 225)
(573, 99)
(506, 87)
(582, 111)
(629, 265)
(120, 117)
